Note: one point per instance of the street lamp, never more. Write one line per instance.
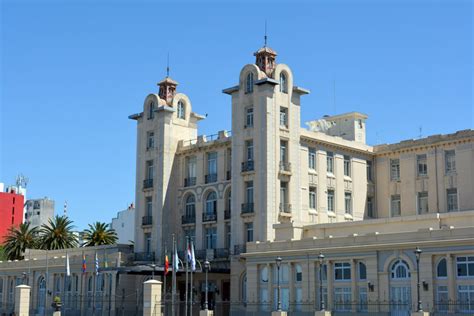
(207, 266)
(418, 255)
(153, 272)
(321, 298)
(278, 264)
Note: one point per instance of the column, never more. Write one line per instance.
(270, 287)
(451, 280)
(330, 284)
(152, 298)
(22, 300)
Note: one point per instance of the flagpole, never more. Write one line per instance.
(191, 285)
(47, 281)
(95, 284)
(173, 288)
(164, 277)
(186, 292)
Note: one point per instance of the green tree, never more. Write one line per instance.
(57, 234)
(18, 239)
(99, 234)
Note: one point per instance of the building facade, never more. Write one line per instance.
(39, 211)
(124, 225)
(11, 210)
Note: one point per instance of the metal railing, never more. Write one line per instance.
(247, 166)
(144, 256)
(187, 219)
(148, 183)
(285, 207)
(285, 166)
(221, 253)
(227, 214)
(209, 217)
(188, 182)
(147, 220)
(238, 249)
(209, 178)
(247, 208)
(200, 253)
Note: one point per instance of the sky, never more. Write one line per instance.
(72, 71)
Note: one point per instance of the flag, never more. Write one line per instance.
(193, 258)
(84, 265)
(167, 264)
(96, 264)
(176, 260)
(188, 253)
(68, 269)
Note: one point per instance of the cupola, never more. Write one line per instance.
(265, 60)
(167, 89)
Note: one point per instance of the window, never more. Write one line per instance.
(149, 169)
(395, 206)
(324, 273)
(147, 242)
(148, 206)
(249, 117)
(466, 298)
(211, 203)
(450, 161)
(362, 271)
(190, 206)
(283, 83)
(283, 117)
(347, 166)
(442, 298)
(370, 207)
(330, 200)
(400, 270)
(465, 266)
(181, 110)
(312, 198)
(422, 166)
(249, 191)
(249, 232)
(264, 285)
(283, 194)
(394, 169)
(422, 202)
(228, 236)
(342, 271)
(342, 299)
(369, 171)
(212, 165)
(249, 83)
(330, 162)
(348, 202)
(298, 273)
(452, 199)
(151, 110)
(363, 299)
(283, 148)
(284, 273)
(249, 146)
(442, 269)
(312, 158)
(191, 167)
(150, 142)
(211, 237)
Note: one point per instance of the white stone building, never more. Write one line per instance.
(39, 211)
(124, 225)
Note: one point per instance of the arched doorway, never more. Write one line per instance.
(400, 288)
(41, 295)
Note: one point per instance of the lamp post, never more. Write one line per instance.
(321, 298)
(418, 255)
(153, 272)
(278, 264)
(206, 268)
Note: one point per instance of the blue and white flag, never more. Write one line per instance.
(68, 268)
(96, 264)
(176, 260)
(193, 258)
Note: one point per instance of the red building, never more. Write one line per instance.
(11, 211)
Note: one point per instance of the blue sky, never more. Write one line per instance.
(71, 73)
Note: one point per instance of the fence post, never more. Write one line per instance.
(22, 300)
(152, 298)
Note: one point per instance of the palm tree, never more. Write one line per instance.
(57, 234)
(99, 234)
(18, 239)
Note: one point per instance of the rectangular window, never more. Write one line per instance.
(342, 271)
(191, 167)
(342, 299)
(249, 232)
(249, 117)
(348, 202)
(283, 117)
(442, 298)
(452, 199)
(211, 238)
(370, 207)
(312, 158)
(330, 162)
(394, 169)
(249, 147)
(369, 171)
(363, 299)
(283, 195)
(465, 267)
(283, 148)
(228, 236)
(147, 239)
(422, 202)
(149, 169)
(466, 298)
(395, 205)
(212, 163)
(347, 166)
(331, 201)
(312, 198)
(249, 191)
(450, 161)
(150, 143)
(422, 165)
(148, 206)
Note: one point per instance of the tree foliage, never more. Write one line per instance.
(57, 234)
(18, 239)
(99, 234)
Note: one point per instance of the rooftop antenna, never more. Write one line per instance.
(65, 208)
(420, 130)
(168, 66)
(21, 181)
(265, 37)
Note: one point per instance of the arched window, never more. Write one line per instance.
(362, 271)
(211, 203)
(11, 292)
(400, 270)
(41, 292)
(249, 83)
(151, 110)
(298, 273)
(181, 110)
(264, 275)
(442, 269)
(283, 83)
(190, 206)
(57, 285)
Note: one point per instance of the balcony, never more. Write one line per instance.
(285, 208)
(247, 208)
(285, 167)
(144, 256)
(189, 182)
(147, 220)
(187, 219)
(221, 253)
(227, 214)
(247, 166)
(238, 249)
(147, 183)
(209, 178)
(209, 217)
(201, 254)
(228, 175)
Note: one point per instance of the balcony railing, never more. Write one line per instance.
(228, 175)
(147, 220)
(285, 208)
(148, 183)
(209, 217)
(209, 178)
(247, 208)
(144, 256)
(188, 182)
(285, 166)
(227, 214)
(238, 249)
(187, 219)
(247, 166)
(200, 254)
(221, 253)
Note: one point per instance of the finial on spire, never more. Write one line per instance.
(265, 37)
(168, 66)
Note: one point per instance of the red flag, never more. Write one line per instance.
(167, 264)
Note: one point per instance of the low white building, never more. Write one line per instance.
(124, 225)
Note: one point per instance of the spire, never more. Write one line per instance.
(168, 66)
(265, 57)
(265, 37)
(167, 85)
